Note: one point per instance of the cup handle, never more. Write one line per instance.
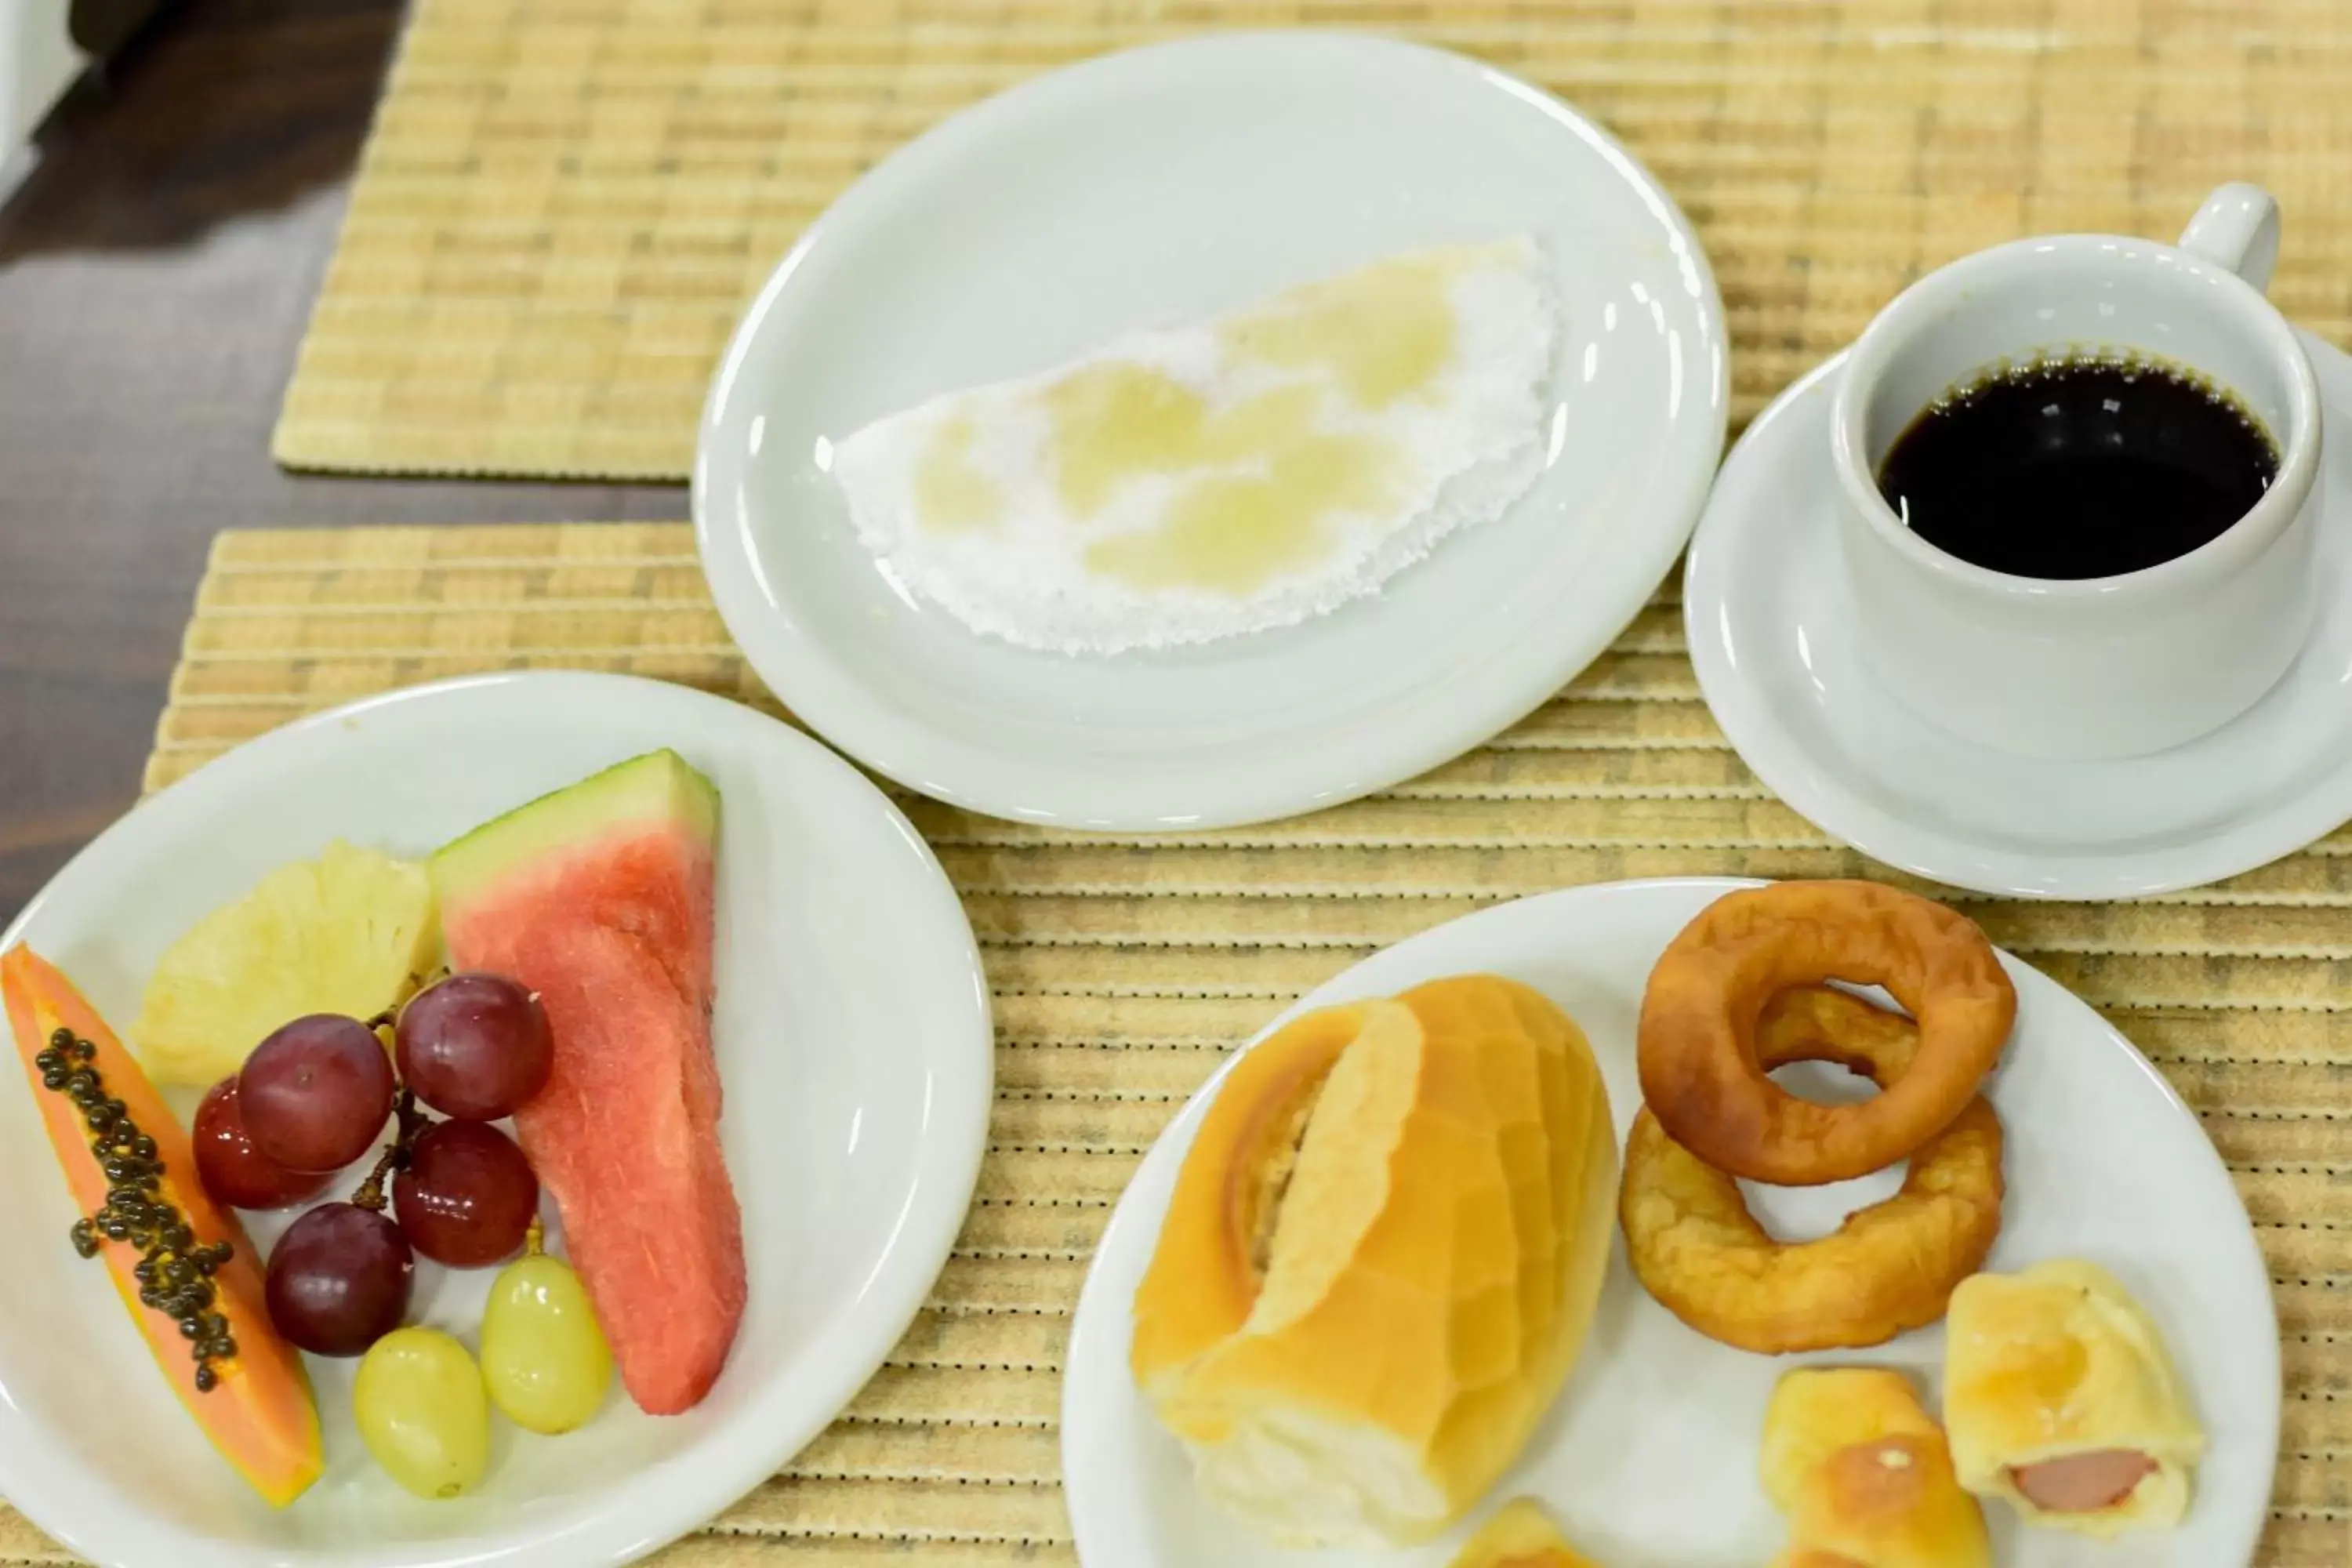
(2237, 228)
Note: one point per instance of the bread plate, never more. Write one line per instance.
(1160, 185)
(1649, 1457)
(851, 1030)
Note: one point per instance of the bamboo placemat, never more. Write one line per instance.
(566, 203)
(1123, 969)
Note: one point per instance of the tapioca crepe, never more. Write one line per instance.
(1211, 479)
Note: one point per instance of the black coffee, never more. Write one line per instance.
(2078, 469)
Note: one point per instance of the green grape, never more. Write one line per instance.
(422, 1413)
(543, 1357)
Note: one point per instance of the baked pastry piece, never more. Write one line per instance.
(2062, 1399)
(1380, 1261)
(1520, 1535)
(1698, 1250)
(1865, 1476)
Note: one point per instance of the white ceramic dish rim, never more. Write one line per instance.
(684, 1489)
(1077, 791)
(1080, 1464)
(1766, 746)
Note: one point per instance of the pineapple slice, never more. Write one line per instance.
(348, 932)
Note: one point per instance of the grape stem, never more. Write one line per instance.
(370, 1195)
(534, 1239)
(390, 1017)
(412, 1122)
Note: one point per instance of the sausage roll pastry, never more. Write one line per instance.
(1865, 1477)
(2060, 1398)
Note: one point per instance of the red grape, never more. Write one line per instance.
(315, 1094)
(467, 1195)
(339, 1280)
(232, 1170)
(474, 1047)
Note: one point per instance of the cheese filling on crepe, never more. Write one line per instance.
(1226, 476)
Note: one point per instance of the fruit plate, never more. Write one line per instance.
(854, 1044)
(1650, 1455)
(1161, 184)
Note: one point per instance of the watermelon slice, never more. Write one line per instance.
(598, 898)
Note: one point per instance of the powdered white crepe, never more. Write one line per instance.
(1224, 477)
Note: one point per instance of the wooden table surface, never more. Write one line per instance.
(155, 274)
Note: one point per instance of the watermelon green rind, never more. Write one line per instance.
(659, 786)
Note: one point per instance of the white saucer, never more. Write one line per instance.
(853, 1047)
(1773, 642)
(1649, 1457)
(1163, 184)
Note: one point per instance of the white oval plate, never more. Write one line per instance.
(852, 1030)
(1167, 183)
(1772, 640)
(1650, 1455)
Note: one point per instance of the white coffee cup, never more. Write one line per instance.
(2103, 666)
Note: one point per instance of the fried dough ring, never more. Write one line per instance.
(1890, 1267)
(1700, 1072)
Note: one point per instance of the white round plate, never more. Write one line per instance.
(1169, 182)
(1772, 638)
(1650, 1454)
(852, 1031)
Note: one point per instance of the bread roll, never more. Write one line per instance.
(2062, 1399)
(1381, 1260)
(1519, 1536)
(1865, 1476)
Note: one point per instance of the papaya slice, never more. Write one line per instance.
(257, 1406)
